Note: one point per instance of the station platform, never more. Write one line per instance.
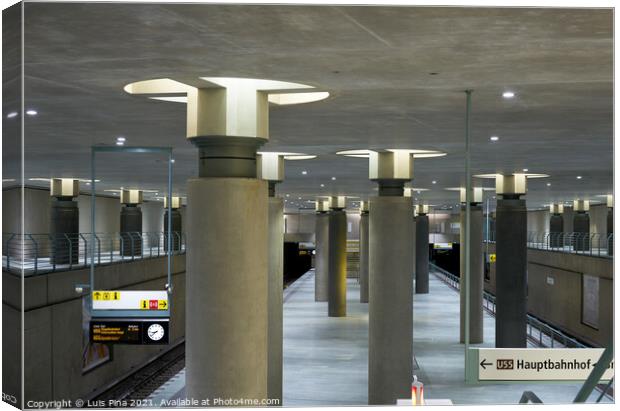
(326, 359)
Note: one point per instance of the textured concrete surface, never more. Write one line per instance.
(364, 258)
(476, 276)
(396, 74)
(226, 322)
(322, 256)
(390, 321)
(274, 298)
(337, 264)
(511, 278)
(421, 254)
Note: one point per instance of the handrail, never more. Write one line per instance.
(535, 327)
(592, 244)
(596, 374)
(41, 253)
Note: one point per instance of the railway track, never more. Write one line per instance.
(142, 382)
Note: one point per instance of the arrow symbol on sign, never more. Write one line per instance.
(483, 364)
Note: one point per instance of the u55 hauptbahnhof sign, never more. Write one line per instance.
(539, 364)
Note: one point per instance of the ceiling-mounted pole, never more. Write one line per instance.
(466, 247)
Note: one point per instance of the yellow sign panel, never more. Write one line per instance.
(153, 304)
(106, 295)
(492, 258)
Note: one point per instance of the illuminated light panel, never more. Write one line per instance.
(290, 156)
(528, 175)
(365, 153)
(281, 93)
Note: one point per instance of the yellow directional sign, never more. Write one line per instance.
(106, 295)
(153, 304)
(492, 258)
(130, 300)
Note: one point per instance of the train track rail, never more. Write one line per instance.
(142, 382)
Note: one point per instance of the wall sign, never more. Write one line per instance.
(152, 331)
(539, 364)
(129, 300)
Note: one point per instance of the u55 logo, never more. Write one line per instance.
(505, 364)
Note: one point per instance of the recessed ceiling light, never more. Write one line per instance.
(120, 138)
(304, 172)
(333, 178)
(548, 184)
(508, 94)
(120, 143)
(31, 112)
(525, 170)
(579, 177)
(172, 160)
(288, 195)
(434, 182)
(322, 185)
(299, 198)
(494, 138)
(12, 114)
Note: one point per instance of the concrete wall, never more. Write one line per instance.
(538, 221)
(303, 223)
(441, 229)
(598, 220)
(53, 327)
(37, 211)
(299, 222)
(555, 291)
(107, 214)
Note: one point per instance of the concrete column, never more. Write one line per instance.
(337, 272)
(390, 312)
(476, 272)
(226, 307)
(581, 225)
(364, 252)
(64, 221)
(556, 226)
(131, 223)
(610, 224)
(227, 233)
(275, 287)
(270, 167)
(511, 264)
(177, 223)
(321, 271)
(421, 253)
(390, 281)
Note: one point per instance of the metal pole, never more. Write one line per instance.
(92, 221)
(596, 374)
(169, 239)
(467, 237)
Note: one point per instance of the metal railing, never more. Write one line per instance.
(539, 333)
(593, 244)
(43, 253)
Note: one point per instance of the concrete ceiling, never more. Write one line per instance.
(375, 61)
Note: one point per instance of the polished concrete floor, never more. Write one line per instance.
(326, 359)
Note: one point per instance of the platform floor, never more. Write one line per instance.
(326, 359)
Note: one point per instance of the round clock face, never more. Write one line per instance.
(155, 332)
